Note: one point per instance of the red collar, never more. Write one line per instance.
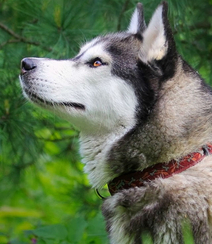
(162, 170)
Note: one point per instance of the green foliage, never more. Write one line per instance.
(77, 230)
(44, 196)
(187, 232)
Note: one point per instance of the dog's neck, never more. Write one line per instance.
(174, 129)
(95, 150)
(160, 170)
(171, 132)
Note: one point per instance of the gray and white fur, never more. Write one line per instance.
(136, 103)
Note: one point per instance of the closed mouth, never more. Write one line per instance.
(37, 99)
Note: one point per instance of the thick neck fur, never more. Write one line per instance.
(95, 150)
(170, 133)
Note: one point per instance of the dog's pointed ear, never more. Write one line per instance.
(158, 40)
(137, 24)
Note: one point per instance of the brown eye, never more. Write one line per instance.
(97, 63)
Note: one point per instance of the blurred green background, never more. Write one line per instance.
(45, 198)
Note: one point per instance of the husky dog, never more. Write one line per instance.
(145, 118)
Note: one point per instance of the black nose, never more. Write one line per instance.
(27, 64)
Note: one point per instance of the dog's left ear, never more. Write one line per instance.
(158, 40)
(137, 24)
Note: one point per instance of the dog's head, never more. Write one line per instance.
(112, 82)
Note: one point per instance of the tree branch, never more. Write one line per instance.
(19, 38)
(121, 14)
(8, 42)
(197, 26)
(5, 28)
(201, 25)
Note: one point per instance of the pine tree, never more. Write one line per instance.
(41, 178)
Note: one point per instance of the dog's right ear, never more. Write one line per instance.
(137, 24)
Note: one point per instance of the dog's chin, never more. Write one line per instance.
(45, 103)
